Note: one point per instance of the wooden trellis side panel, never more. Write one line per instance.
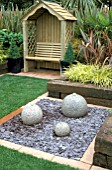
(31, 37)
(69, 32)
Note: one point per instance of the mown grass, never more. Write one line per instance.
(13, 160)
(16, 91)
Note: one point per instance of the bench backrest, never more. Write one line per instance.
(48, 50)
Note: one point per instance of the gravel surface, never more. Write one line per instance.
(42, 137)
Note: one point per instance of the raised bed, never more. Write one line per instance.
(92, 94)
(3, 68)
(103, 145)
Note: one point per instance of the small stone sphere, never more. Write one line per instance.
(31, 114)
(74, 106)
(62, 129)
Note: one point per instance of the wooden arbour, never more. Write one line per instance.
(47, 28)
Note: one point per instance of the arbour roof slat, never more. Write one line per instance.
(53, 8)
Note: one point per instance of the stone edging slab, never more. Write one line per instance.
(45, 155)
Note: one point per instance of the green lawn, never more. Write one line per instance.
(16, 91)
(13, 160)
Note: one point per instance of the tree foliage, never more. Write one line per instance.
(107, 2)
(20, 3)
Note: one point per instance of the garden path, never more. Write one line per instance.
(42, 73)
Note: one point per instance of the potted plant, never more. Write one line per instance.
(69, 57)
(14, 59)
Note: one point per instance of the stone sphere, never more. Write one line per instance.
(31, 114)
(74, 106)
(62, 129)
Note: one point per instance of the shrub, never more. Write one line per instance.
(69, 55)
(93, 74)
(6, 37)
(14, 51)
(96, 49)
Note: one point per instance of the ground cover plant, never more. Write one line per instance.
(11, 160)
(16, 91)
(90, 74)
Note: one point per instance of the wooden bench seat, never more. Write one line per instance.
(46, 52)
(43, 59)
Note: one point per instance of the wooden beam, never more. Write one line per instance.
(44, 59)
(63, 34)
(25, 45)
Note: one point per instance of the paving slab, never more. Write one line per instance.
(97, 168)
(88, 155)
(36, 153)
(72, 163)
(10, 145)
(41, 73)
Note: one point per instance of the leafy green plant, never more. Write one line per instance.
(69, 55)
(100, 20)
(80, 5)
(6, 37)
(96, 19)
(3, 34)
(92, 74)
(10, 19)
(14, 50)
(3, 55)
(18, 37)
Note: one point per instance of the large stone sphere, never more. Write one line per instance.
(31, 114)
(62, 129)
(74, 106)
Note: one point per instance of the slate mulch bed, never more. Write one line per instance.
(41, 136)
